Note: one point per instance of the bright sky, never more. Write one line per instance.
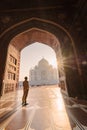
(30, 56)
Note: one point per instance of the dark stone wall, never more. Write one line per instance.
(3, 55)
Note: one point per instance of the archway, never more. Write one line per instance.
(31, 56)
(49, 33)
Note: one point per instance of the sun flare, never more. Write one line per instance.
(53, 63)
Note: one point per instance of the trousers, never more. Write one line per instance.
(24, 96)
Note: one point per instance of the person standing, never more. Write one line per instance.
(25, 91)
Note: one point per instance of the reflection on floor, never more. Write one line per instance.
(48, 109)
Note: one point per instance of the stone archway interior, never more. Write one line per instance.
(34, 35)
(21, 41)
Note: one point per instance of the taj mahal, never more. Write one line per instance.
(43, 74)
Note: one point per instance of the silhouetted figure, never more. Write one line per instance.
(25, 91)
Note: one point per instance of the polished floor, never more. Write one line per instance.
(49, 108)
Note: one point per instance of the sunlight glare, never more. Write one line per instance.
(53, 63)
(65, 62)
(60, 102)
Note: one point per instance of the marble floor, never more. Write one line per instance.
(49, 108)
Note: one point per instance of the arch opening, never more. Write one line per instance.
(16, 45)
(39, 62)
(58, 38)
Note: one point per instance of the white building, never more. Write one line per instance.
(11, 74)
(43, 74)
